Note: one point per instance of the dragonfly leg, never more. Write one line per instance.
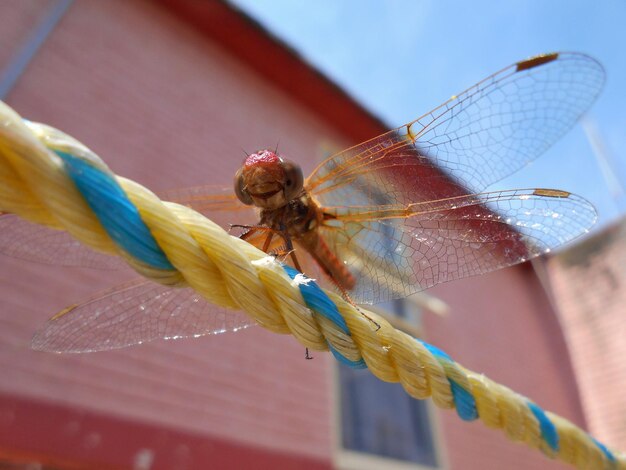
(232, 226)
(307, 356)
(253, 229)
(290, 249)
(284, 253)
(346, 297)
(296, 265)
(268, 240)
(249, 229)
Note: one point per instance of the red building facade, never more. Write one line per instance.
(168, 93)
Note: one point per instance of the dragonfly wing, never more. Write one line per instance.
(26, 240)
(394, 256)
(473, 140)
(218, 203)
(135, 313)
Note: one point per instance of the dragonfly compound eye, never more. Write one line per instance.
(294, 180)
(240, 190)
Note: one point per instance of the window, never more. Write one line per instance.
(378, 423)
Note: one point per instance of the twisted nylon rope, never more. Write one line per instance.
(49, 178)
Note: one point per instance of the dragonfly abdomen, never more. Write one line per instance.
(332, 266)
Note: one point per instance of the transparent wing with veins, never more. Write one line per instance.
(371, 193)
(25, 240)
(473, 140)
(450, 238)
(135, 313)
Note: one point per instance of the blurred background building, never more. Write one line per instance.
(588, 285)
(171, 93)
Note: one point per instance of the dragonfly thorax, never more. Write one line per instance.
(297, 218)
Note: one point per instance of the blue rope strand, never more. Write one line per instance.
(609, 455)
(317, 300)
(117, 214)
(548, 429)
(464, 402)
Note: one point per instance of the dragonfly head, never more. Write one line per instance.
(268, 181)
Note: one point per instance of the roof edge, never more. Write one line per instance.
(246, 39)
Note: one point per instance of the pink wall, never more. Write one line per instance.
(168, 109)
(164, 106)
(502, 325)
(588, 284)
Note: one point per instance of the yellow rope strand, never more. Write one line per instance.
(232, 273)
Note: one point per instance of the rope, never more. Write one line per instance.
(49, 178)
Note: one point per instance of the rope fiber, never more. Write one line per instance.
(49, 178)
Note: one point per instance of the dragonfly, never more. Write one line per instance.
(382, 220)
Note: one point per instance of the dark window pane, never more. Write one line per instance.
(380, 418)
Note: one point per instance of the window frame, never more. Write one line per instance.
(348, 459)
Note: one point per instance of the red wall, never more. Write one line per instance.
(165, 106)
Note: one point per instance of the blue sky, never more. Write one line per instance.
(400, 59)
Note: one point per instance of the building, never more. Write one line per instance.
(168, 93)
(587, 281)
